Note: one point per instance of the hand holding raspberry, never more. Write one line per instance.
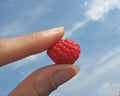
(44, 80)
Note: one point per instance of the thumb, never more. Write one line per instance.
(44, 80)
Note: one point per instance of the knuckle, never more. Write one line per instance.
(35, 36)
(1, 44)
(54, 86)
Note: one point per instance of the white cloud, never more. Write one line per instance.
(75, 27)
(33, 57)
(118, 31)
(108, 89)
(99, 8)
(110, 55)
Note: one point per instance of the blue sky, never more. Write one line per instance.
(94, 24)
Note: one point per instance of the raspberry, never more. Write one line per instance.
(64, 52)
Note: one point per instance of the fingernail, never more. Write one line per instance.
(54, 33)
(58, 29)
(65, 74)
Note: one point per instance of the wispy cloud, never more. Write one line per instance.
(110, 55)
(86, 80)
(75, 27)
(28, 60)
(96, 11)
(108, 89)
(24, 62)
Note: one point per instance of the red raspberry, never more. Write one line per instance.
(64, 52)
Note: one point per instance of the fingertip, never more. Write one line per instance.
(64, 73)
(54, 34)
(76, 68)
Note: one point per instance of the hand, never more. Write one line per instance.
(44, 80)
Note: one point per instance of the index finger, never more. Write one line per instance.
(12, 49)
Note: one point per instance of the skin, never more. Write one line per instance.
(44, 80)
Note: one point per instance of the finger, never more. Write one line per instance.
(12, 49)
(43, 81)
